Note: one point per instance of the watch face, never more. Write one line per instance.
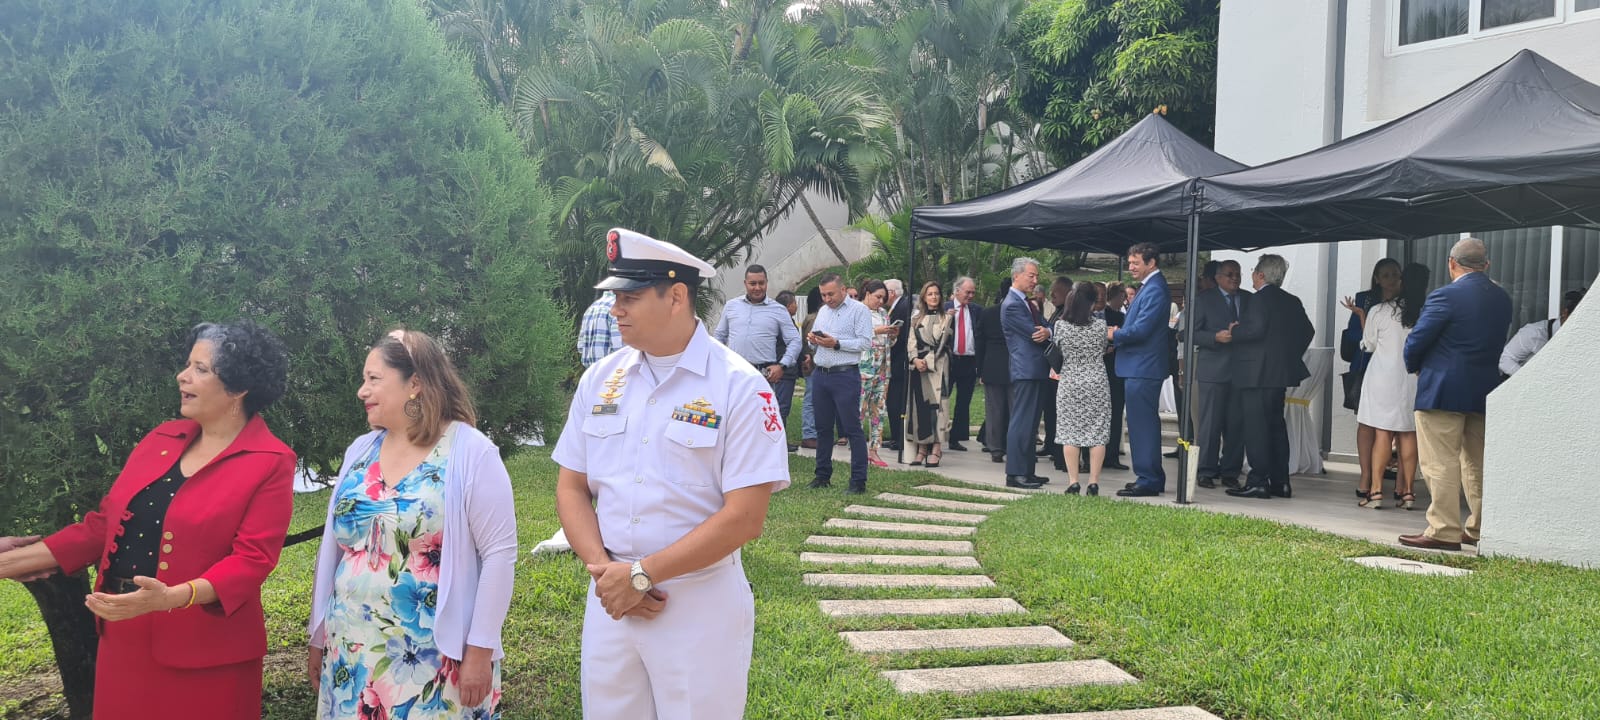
(641, 583)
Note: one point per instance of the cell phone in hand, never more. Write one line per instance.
(898, 323)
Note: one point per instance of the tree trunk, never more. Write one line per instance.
(825, 236)
(72, 635)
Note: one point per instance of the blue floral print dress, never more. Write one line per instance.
(381, 660)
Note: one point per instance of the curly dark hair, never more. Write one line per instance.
(248, 359)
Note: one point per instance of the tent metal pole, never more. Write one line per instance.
(1186, 431)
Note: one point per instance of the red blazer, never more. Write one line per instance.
(226, 525)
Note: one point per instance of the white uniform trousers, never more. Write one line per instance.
(692, 662)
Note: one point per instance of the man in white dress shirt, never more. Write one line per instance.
(672, 449)
(842, 331)
(1532, 337)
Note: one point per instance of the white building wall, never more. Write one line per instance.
(1539, 498)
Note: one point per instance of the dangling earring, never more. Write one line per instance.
(413, 408)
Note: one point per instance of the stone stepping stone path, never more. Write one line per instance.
(911, 528)
(972, 492)
(946, 547)
(919, 501)
(861, 580)
(1187, 712)
(959, 639)
(951, 518)
(1024, 676)
(938, 606)
(902, 514)
(960, 562)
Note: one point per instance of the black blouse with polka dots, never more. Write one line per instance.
(139, 548)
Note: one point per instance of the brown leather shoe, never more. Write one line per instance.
(809, 443)
(1468, 540)
(1427, 543)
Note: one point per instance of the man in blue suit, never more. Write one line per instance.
(1455, 351)
(1026, 337)
(1143, 363)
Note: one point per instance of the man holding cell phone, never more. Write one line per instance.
(842, 331)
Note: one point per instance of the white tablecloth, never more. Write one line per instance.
(1305, 443)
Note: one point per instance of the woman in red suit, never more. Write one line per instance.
(183, 540)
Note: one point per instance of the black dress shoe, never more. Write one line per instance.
(1114, 465)
(818, 484)
(1137, 492)
(1039, 479)
(1172, 454)
(1018, 481)
(997, 457)
(958, 447)
(891, 446)
(1209, 483)
(1254, 491)
(1130, 486)
(793, 447)
(855, 490)
(1232, 482)
(1283, 492)
(1060, 466)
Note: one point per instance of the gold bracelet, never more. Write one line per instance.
(193, 592)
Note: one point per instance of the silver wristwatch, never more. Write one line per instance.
(641, 580)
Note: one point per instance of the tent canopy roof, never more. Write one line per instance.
(1133, 189)
(1517, 147)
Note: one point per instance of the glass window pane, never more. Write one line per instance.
(1583, 5)
(1510, 12)
(1580, 257)
(1424, 20)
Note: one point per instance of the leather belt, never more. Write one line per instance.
(839, 369)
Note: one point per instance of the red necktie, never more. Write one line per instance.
(961, 329)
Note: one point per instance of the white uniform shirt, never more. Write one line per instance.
(654, 478)
(1525, 344)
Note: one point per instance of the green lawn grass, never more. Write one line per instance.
(1244, 617)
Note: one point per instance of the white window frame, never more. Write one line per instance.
(1566, 12)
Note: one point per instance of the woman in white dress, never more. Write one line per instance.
(1388, 392)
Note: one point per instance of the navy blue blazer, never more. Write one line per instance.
(1456, 344)
(1144, 342)
(1027, 356)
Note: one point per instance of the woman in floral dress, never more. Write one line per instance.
(418, 551)
(875, 368)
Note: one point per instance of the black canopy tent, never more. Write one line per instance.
(1136, 188)
(1517, 147)
(1140, 187)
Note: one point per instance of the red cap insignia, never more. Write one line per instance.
(612, 251)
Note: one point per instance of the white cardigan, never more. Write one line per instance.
(480, 547)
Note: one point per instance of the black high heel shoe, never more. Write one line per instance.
(1094, 489)
(1073, 489)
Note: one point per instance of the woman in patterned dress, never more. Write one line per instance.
(415, 570)
(1083, 395)
(875, 368)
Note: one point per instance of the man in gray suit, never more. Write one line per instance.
(1221, 436)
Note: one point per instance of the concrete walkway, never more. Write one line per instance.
(1321, 502)
(857, 572)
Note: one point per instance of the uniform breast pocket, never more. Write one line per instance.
(604, 436)
(696, 445)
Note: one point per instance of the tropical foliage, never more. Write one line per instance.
(328, 169)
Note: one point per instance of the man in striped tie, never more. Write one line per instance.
(963, 356)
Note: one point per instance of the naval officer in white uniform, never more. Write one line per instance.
(672, 448)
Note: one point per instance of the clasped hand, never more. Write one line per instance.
(1226, 336)
(613, 584)
(1040, 333)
